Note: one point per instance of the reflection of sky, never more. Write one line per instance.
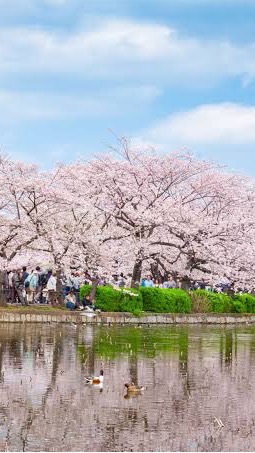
(32, 378)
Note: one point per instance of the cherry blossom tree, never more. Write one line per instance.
(132, 211)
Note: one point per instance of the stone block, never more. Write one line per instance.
(230, 320)
(151, 319)
(210, 319)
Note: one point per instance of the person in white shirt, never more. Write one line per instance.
(52, 289)
(169, 283)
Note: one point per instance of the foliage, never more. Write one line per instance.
(207, 301)
(110, 299)
(238, 306)
(160, 300)
(85, 291)
(244, 303)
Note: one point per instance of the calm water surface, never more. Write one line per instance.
(192, 375)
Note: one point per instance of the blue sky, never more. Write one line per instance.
(179, 74)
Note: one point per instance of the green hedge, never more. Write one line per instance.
(208, 302)
(110, 299)
(161, 300)
(244, 303)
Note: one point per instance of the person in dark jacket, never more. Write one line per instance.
(19, 287)
(25, 274)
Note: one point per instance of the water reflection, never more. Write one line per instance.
(192, 376)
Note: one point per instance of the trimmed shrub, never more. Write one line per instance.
(161, 300)
(244, 303)
(238, 307)
(130, 301)
(110, 299)
(107, 299)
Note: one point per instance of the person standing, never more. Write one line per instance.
(148, 282)
(170, 283)
(19, 287)
(121, 281)
(69, 283)
(52, 288)
(31, 284)
(12, 292)
(25, 274)
(76, 286)
(39, 286)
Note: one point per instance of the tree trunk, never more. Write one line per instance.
(185, 283)
(155, 271)
(136, 276)
(2, 290)
(2, 297)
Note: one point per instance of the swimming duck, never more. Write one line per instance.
(132, 388)
(96, 379)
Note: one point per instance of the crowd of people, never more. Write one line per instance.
(40, 286)
(223, 286)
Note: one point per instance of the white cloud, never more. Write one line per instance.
(213, 124)
(124, 48)
(32, 106)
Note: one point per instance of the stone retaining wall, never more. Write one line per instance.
(123, 318)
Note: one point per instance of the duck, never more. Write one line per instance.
(132, 388)
(96, 379)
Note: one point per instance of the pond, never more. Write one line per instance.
(196, 380)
